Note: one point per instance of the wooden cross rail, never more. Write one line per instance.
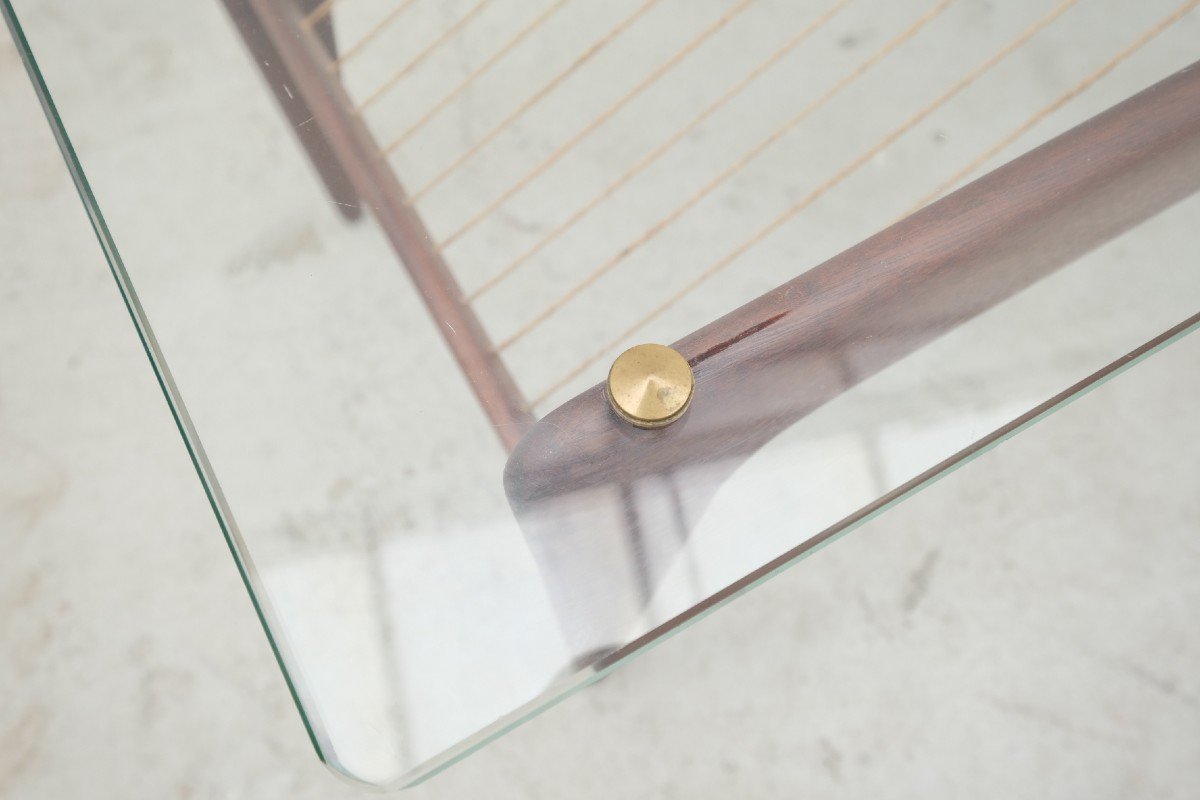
(777, 359)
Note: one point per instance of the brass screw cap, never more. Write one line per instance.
(650, 385)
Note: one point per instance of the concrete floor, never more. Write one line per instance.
(1023, 627)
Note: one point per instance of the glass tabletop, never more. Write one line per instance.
(382, 254)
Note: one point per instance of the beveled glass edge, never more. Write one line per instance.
(162, 373)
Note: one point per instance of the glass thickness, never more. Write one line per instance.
(389, 251)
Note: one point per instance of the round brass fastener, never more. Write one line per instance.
(650, 385)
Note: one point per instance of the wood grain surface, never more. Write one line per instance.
(767, 364)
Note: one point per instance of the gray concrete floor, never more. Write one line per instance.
(1023, 627)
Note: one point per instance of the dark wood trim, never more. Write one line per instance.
(279, 80)
(776, 359)
(356, 150)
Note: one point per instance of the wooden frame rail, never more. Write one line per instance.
(340, 137)
(760, 368)
(773, 361)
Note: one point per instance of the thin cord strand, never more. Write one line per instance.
(537, 96)
(317, 14)
(645, 83)
(512, 43)
(816, 193)
(416, 61)
(658, 227)
(1058, 103)
(658, 151)
(374, 31)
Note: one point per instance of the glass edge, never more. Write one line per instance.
(756, 578)
(162, 373)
